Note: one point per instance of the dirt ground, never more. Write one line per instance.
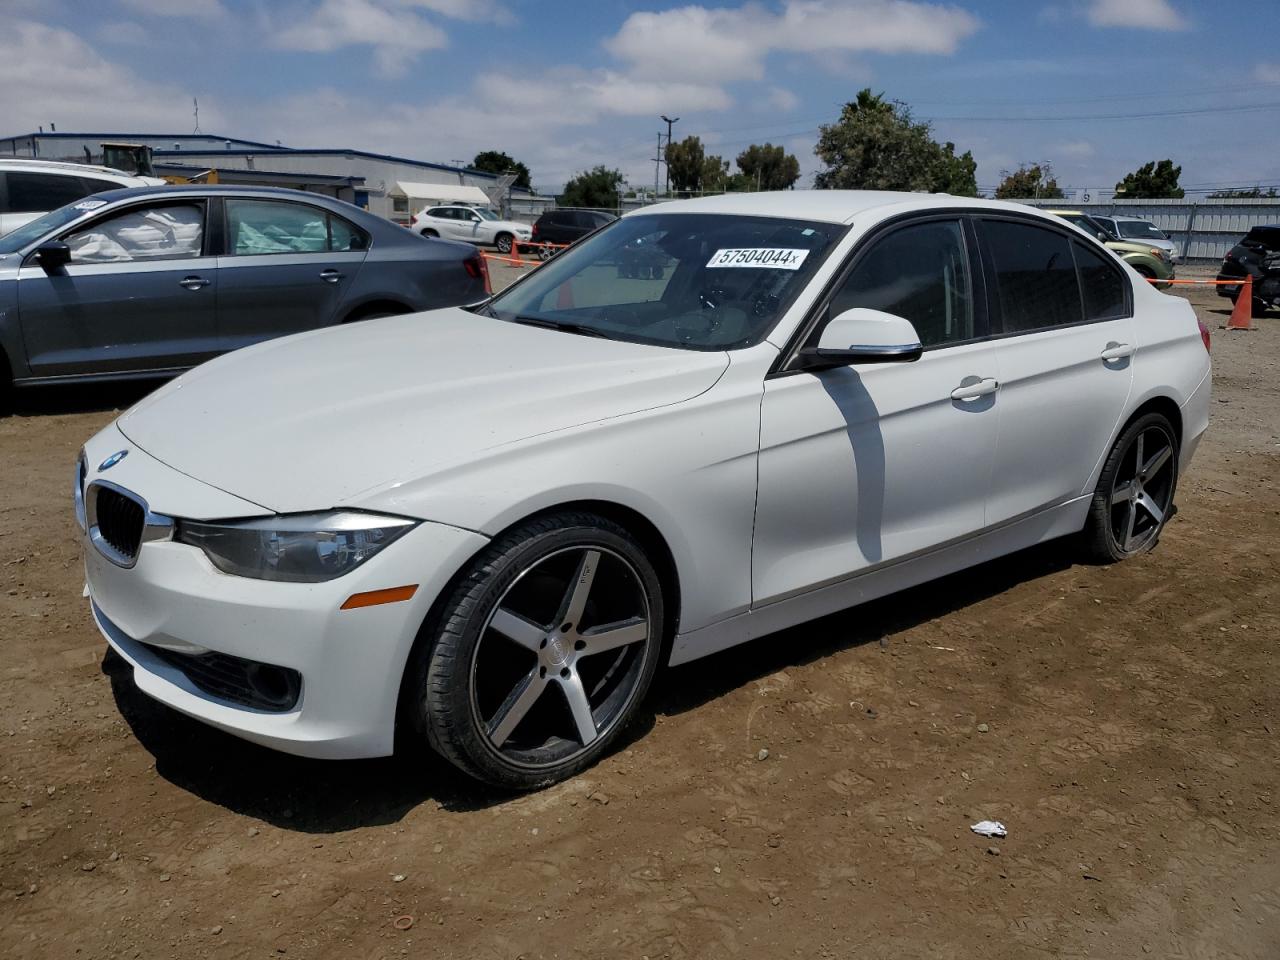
(1123, 722)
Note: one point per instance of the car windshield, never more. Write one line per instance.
(693, 281)
(485, 214)
(29, 233)
(1140, 230)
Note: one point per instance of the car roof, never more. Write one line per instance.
(830, 206)
(1116, 216)
(64, 166)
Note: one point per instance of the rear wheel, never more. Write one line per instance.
(428, 232)
(543, 653)
(1134, 497)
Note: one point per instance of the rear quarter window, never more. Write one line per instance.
(1035, 276)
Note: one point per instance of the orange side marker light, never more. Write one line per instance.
(375, 597)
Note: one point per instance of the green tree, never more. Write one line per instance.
(1028, 182)
(715, 173)
(768, 167)
(597, 187)
(1152, 181)
(876, 145)
(1253, 193)
(493, 161)
(692, 168)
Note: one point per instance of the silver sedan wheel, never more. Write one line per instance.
(1142, 491)
(561, 656)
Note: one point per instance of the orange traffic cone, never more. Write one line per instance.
(515, 252)
(1242, 315)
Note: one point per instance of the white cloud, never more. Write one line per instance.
(782, 99)
(725, 44)
(123, 32)
(1075, 149)
(85, 92)
(193, 10)
(475, 11)
(1267, 73)
(397, 36)
(1144, 14)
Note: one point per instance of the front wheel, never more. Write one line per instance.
(503, 242)
(543, 652)
(1134, 497)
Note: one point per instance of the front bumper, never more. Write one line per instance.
(350, 661)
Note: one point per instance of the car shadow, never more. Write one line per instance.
(79, 398)
(332, 796)
(690, 686)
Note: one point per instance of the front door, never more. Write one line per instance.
(1065, 355)
(287, 268)
(867, 464)
(139, 294)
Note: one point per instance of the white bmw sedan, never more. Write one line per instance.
(710, 420)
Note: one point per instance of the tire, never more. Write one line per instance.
(542, 653)
(428, 232)
(1126, 520)
(503, 242)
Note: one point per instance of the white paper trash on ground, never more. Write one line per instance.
(989, 828)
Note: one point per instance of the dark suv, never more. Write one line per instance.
(1257, 254)
(568, 226)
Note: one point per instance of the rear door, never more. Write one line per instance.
(139, 294)
(286, 267)
(1063, 313)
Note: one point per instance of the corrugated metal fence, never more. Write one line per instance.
(1202, 229)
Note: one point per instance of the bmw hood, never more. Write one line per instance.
(313, 421)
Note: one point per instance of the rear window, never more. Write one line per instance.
(1101, 283)
(40, 192)
(1268, 237)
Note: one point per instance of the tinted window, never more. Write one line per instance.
(1035, 276)
(1101, 284)
(1268, 237)
(263, 226)
(97, 186)
(168, 232)
(438, 212)
(38, 192)
(921, 273)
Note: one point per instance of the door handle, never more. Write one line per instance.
(193, 283)
(331, 275)
(1116, 351)
(975, 387)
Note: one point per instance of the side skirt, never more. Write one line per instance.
(1066, 518)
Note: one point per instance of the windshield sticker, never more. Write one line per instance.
(773, 258)
(90, 204)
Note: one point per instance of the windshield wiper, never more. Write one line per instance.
(561, 325)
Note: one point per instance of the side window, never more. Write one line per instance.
(97, 186)
(1034, 276)
(345, 236)
(919, 272)
(257, 227)
(42, 192)
(169, 232)
(438, 212)
(1101, 284)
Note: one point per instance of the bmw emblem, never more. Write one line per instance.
(112, 460)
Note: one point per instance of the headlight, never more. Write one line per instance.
(303, 548)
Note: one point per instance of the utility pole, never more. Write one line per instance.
(670, 123)
(657, 162)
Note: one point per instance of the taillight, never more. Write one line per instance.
(534, 234)
(478, 269)
(1204, 335)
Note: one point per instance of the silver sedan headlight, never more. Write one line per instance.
(301, 548)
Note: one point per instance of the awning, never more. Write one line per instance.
(440, 192)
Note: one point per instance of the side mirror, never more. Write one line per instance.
(1102, 235)
(861, 335)
(53, 255)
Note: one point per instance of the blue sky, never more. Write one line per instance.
(1097, 87)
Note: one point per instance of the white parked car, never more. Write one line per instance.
(460, 222)
(1137, 230)
(31, 188)
(708, 421)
